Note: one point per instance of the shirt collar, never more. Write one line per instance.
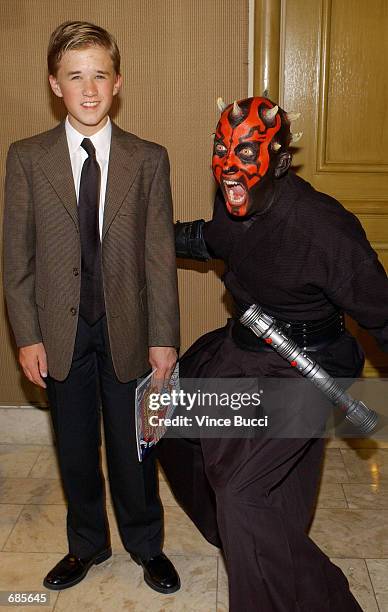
(101, 139)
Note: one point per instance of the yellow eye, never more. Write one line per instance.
(220, 148)
(246, 151)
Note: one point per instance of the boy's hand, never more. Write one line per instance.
(163, 359)
(33, 360)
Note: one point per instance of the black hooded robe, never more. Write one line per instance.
(302, 259)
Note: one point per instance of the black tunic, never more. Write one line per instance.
(303, 258)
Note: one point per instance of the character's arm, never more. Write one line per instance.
(189, 240)
(160, 261)
(364, 296)
(197, 239)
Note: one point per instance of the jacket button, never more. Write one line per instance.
(73, 311)
(75, 271)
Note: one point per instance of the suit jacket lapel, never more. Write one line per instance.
(123, 167)
(56, 165)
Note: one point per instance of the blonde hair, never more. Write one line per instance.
(78, 35)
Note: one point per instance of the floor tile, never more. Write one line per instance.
(40, 528)
(104, 461)
(166, 494)
(336, 443)
(366, 495)
(222, 586)
(46, 465)
(34, 535)
(331, 495)
(9, 515)
(25, 425)
(25, 572)
(31, 491)
(378, 571)
(120, 586)
(354, 443)
(351, 533)
(366, 465)
(181, 536)
(357, 574)
(16, 460)
(334, 467)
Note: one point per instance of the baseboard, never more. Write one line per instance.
(25, 425)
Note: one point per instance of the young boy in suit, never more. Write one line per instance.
(90, 283)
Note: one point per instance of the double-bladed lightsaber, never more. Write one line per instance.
(265, 327)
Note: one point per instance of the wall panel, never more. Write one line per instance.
(335, 71)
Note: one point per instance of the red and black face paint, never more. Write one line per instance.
(247, 141)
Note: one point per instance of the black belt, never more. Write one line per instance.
(309, 335)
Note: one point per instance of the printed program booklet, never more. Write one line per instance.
(147, 435)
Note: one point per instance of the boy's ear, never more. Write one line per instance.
(55, 85)
(117, 84)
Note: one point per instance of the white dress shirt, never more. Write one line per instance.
(101, 142)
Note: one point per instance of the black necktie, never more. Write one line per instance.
(92, 305)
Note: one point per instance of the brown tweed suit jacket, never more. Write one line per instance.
(42, 253)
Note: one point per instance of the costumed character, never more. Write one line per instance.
(306, 260)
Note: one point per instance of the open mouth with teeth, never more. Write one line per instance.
(236, 193)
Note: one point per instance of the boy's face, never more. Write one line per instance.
(87, 82)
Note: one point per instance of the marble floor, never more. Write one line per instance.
(351, 525)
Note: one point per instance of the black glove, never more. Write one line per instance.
(189, 240)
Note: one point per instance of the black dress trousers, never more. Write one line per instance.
(75, 409)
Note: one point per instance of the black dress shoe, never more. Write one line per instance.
(71, 570)
(159, 573)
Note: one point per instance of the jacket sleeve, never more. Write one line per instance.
(160, 261)
(19, 253)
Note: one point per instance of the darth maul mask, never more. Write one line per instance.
(251, 151)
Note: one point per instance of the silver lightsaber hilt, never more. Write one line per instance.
(264, 327)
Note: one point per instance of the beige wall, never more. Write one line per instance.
(178, 57)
